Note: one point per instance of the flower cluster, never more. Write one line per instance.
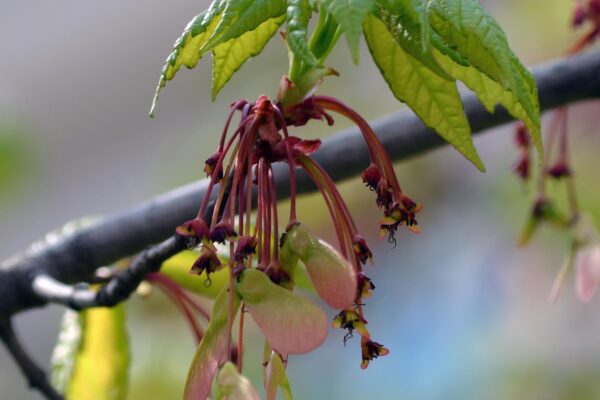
(242, 180)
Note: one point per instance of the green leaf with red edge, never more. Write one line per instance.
(297, 17)
(91, 359)
(467, 28)
(241, 16)
(332, 275)
(234, 386)
(434, 99)
(291, 323)
(213, 350)
(408, 22)
(186, 50)
(229, 57)
(223, 21)
(350, 14)
(276, 378)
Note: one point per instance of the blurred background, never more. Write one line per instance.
(462, 309)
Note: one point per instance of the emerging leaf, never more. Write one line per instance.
(434, 99)
(332, 275)
(186, 50)
(407, 21)
(213, 350)
(243, 16)
(233, 386)
(231, 55)
(466, 27)
(291, 323)
(350, 14)
(222, 22)
(102, 359)
(297, 17)
(275, 377)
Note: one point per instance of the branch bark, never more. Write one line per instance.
(75, 258)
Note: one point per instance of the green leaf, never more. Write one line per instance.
(435, 100)
(291, 323)
(228, 57)
(101, 363)
(350, 14)
(186, 50)
(297, 16)
(178, 269)
(275, 377)
(488, 91)
(407, 21)
(212, 351)
(233, 386)
(466, 27)
(241, 16)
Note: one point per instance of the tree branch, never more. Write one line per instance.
(75, 258)
(34, 374)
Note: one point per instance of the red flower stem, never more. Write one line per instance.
(263, 179)
(554, 125)
(332, 211)
(180, 292)
(271, 183)
(237, 105)
(584, 41)
(223, 185)
(341, 204)
(345, 222)
(240, 347)
(290, 160)
(564, 156)
(564, 136)
(241, 203)
(248, 196)
(376, 149)
(196, 330)
(214, 178)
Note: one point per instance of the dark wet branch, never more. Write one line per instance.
(75, 258)
(35, 376)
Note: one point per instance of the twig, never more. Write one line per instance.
(34, 374)
(118, 289)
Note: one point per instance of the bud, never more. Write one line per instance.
(371, 176)
(195, 228)
(522, 167)
(371, 350)
(559, 170)
(246, 246)
(365, 287)
(223, 231)
(579, 16)
(362, 250)
(587, 272)
(211, 163)
(208, 261)
(350, 320)
(332, 275)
